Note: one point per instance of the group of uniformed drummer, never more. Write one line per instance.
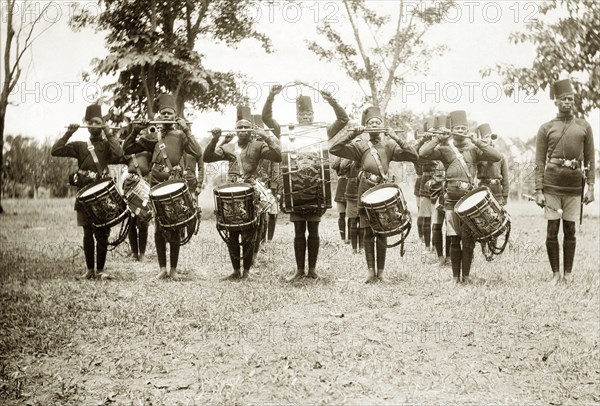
(449, 161)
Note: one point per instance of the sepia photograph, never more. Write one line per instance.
(290, 202)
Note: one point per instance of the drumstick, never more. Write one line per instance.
(532, 199)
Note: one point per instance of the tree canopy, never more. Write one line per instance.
(152, 49)
(567, 40)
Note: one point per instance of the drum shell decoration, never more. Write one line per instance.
(236, 209)
(487, 219)
(390, 216)
(173, 209)
(137, 195)
(306, 181)
(104, 207)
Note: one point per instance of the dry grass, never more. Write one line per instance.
(509, 338)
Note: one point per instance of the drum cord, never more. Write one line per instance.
(402, 239)
(195, 222)
(492, 248)
(224, 233)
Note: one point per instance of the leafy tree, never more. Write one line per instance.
(152, 43)
(568, 44)
(379, 69)
(21, 31)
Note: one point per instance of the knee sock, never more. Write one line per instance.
(300, 244)
(88, 246)
(369, 247)
(102, 235)
(455, 255)
(381, 246)
(420, 227)
(468, 248)
(552, 245)
(342, 225)
(272, 224)
(569, 244)
(427, 231)
(353, 227)
(437, 239)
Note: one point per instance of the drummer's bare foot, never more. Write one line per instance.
(455, 281)
(371, 277)
(140, 258)
(246, 273)
(312, 274)
(299, 274)
(441, 261)
(88, 274)
(103, 275)
(555, 279)
(568, 278)
(380, 275)
(235, 276)
(466, 280)
(162, 274)
(173, 273)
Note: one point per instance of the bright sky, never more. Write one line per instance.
(52, 94)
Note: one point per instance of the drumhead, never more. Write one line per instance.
(471, 201)
(380, 195)
(96, 188)
(166, 189)
(233, 189)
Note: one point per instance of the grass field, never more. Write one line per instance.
(509, 338)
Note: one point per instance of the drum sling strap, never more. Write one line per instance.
(238, 158)
(163, 151)
(92, 150)
(377, 159)
(461, 160)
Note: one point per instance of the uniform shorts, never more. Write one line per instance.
(452, 223)
(425, 206)
(570, 206)
(351, 208)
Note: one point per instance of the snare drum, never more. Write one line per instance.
(482, 213)
(386, 210)
(173, 204)
(236, 206)
(137, 195)
(102, 203)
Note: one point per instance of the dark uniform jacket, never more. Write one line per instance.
(108, 151)
(564, 138)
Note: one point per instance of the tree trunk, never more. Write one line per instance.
(2, 115)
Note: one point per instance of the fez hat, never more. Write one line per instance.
(441, 121)
(258, 121)
(369, 113)
(561, 88)
(458, 117)
(303, 104)
(166, 100)
(244, 114)
(484, 130)
(93, 111)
